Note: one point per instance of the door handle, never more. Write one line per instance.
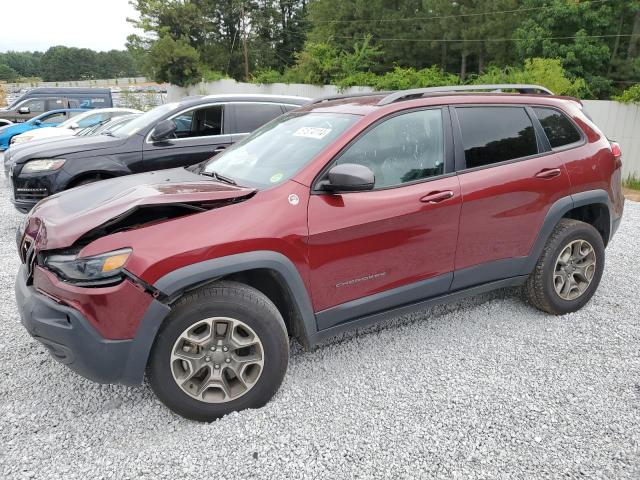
(437, 197)
(219, 149)
(548, 173)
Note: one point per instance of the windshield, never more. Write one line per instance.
(144, 120)
(273, 153)
(75, 119)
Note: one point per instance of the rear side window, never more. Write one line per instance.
(496, 134)
(558, 128)
(250, 116)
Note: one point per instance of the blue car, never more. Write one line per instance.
(47, 119)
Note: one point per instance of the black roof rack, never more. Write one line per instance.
(347, 95)
(420, 92)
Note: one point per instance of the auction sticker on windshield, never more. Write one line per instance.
(312, 132)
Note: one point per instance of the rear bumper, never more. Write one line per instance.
(73, 341)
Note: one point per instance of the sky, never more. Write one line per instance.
(40, 24)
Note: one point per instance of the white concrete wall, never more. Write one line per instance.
(619, 122)
(229, 86)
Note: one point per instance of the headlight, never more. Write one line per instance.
(21, 139)
(43, 165)
(96, 270)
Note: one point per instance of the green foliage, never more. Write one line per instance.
(7, 73)
(175, 61)
(213, 76)
(267, 76)
(630, 95)
(320, 63)
(547, 72)
(61, 63)
(632, 181)
(405, 78)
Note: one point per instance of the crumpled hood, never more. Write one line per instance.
(65, 146)
(60, 220)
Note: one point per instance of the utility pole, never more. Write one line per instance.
(244, 45)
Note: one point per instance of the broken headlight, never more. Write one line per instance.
(97, 270)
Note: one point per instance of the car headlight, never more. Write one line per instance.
(42, 165)
(21, 139)
(97, 270)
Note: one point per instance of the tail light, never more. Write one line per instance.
(617, 154)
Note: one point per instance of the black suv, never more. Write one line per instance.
(172, 135)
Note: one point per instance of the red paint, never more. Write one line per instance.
(390, 233)
(115, 312)
(504, 207)
(394, 237)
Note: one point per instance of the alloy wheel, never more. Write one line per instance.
(217, 359)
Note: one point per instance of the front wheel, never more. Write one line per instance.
(223, 348)
(569, 270)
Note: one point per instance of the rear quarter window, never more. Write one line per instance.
(250, 116)
(559, 129)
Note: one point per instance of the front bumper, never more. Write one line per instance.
(73, 341)
(29, 189)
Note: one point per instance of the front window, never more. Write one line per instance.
(145, 120)
(275, 152)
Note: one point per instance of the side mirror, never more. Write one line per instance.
(164, 130)
(37, 123)
(24, 110)
(349, 177)
(74, 126)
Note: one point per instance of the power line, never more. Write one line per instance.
(439, 17)
(382, 39)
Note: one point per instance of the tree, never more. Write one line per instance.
(7, 73)
(175, 61)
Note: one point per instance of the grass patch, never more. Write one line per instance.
(632, 182)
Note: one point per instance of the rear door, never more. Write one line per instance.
(509, 178)
(200, 134)
(397, 240)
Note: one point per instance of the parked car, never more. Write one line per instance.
(99, 129)
(332, 217)
(42, 121)
(108, 126)
(72, 126)
(44, 99)
(172, 135)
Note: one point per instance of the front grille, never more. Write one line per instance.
(31, 193)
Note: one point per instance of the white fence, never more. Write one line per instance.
(619, 122)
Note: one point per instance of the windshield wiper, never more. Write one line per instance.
(219, 177)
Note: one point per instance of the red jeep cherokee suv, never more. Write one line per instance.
(331, 217)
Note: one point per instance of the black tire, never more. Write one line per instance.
(539, 288)
(222, 299)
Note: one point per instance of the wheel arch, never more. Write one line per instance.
(578, 207)
(270, 272)
(97, 174)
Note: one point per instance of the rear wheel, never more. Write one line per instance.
(569, 269)
(223, 348)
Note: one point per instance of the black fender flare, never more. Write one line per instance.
(557, 211)
(184, 278)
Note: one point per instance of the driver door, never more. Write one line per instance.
(372, 250)
(200, 134)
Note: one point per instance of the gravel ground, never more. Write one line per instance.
(489, 388)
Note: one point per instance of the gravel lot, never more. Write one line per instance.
(489, 388)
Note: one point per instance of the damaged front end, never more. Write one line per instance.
(59, 228)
